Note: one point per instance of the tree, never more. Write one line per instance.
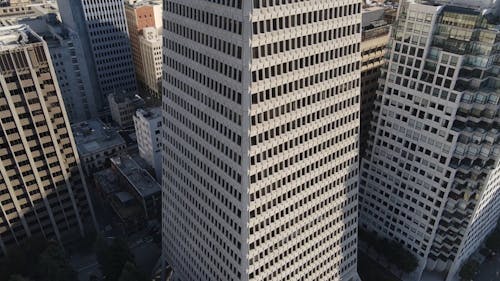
(112, 257)
(131, 273)
(54, 266)
(468, 270)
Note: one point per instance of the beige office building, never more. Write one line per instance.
(42, 192)
(142, 14)
(152, 63)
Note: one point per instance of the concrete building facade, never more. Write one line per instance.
(430, 178)
(375, 37)
(261, 125)
(96, 143)
(102, 28)
(71, 66)
(42, 189)
(143, 14)
(123, 106)
(150, 42)
(148, 126)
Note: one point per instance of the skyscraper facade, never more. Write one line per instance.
(140, 15)
(42, 191)
(374, 39)
(152, 60)
(430, 178)
(102, 28)
(261, 124)
(70, 64)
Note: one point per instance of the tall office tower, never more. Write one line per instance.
(140, 15)
(70, 64)
(375, 36)
(431, 177)
(261, 114)
(102, 29)
(42, 191)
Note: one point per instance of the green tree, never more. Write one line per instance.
(54, 266)
(112, 257)
(131, 273)
(468, 270)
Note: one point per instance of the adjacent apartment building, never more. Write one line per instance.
(261, 125)
(430, 179)
(42, 190)
(102, 28)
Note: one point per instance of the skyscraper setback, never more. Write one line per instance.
(42, 192)
(431, 176)
(261, 124)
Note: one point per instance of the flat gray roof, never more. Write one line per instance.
(138, 177)
(93, 135)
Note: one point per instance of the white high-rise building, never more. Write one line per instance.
(147, 123)
(102, 28)
(261, 122)
(431, 176)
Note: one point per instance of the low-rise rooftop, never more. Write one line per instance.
(93, 135)
(149, 113)
(17, 35)
(138, 177)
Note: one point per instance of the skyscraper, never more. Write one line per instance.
(431, 176)
(375, 36)
(150, 42)
(42, 191)
(102, 29)
(261, 114)
(140, 15)
(70, 65)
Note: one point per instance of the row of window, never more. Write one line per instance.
(184, 215)
(301, 63)
(211, 140)
(216, 161)
(197, 96)
(319, 97)
(276, 185)
(205, 60)
(307, 41)
(201, 78)
(204, 17)
(317, 16)
(210, 41)
(304, 82)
